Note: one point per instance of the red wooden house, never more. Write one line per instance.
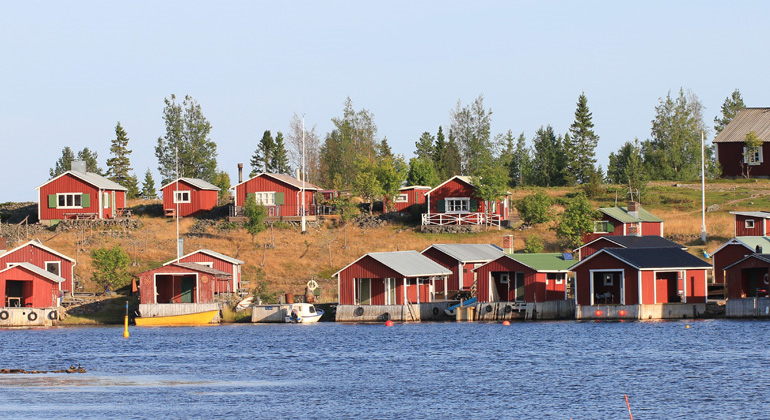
(615, 241)
(640, 276)
(526, 278)
(41, 256)
(748, 277)
(390, 278)
(751, 223)
(408, 198)
(731, 144)
(217, 261)
(179, 283)
(191, 196)
(281, 194)
(625, 221)
(78, 194)
(25, 285)
(455, 202)
(735, 250)
(461, 259)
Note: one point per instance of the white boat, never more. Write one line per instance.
(245, 303)
(302, 313)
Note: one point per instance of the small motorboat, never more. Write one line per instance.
(302, 313)
(197, 318)
(245, 303)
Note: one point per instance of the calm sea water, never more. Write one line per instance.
(578, 370)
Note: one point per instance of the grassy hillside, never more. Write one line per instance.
(292, 258)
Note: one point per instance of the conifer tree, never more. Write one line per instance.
(263, 155)
(581, 144)
(148, 186)
(730, 107)
(424, 146)
(548, 158)
(279, 159)
(132, 185)
(64, 163)
(91, 158)
(519, 165)
(119, 164)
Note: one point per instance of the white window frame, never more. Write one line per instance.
(179, 196)
(558, 277)
(505, 278)
(56, 263)
(753, 159)
(451, 205)
(208, 264)
(75, 197)
(266, 198)
(599, 223)
(608, 280)
(401, 198)
(748, 224)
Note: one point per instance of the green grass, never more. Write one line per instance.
(112, 311)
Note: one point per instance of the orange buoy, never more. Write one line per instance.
(598, 312)
(622, 312)
(506, 322)
(388, 323)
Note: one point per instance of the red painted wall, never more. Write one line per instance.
(728, 255)
(737, 280)
(71, 184)
(601, 262)
(457, 188)
(449, 263)
(39, 291)
(535, 289)
(204, 292)
(731, 157)
(740, 226)
(292, 200)
(221, 265)
(555, 291)
(200, 200)
(38, 257)
(652, 229)
(365, 268)
(414, 196)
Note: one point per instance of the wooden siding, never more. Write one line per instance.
(451, 264)
(69, 184)
(743, 279)
(37, 291)
(366, 268)
(728, 255)
(536, 288)
(588, 250)
(202, 293)
(583, 278)
(458, 188)
(759, 228)
(38, 257)
(221, 265)
(200, 200)
(414, 196)
(292, 200)
(731, 157)
(652, 228)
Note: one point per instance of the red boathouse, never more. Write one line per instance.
(461, 259)
(526, 278)
(217, 261)
(41, 256)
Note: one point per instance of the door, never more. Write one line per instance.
(188, 288)
(364, 292)
(519, 287)
(390, 291)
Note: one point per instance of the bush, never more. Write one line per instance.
(535, 209)
(110, 267)
(533, 244)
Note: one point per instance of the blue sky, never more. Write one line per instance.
(71, 70)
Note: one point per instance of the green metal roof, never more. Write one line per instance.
(754, 241)
(544, 262)
(621, 214)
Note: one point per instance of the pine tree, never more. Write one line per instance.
(581, 145)
(548, 158)
(732, 105)
(148, 186)
(64, 163)
(132, 184)
(119, 164)
(91, 159)
(424, 146)
(519, 165)
(279, 159)
(439, 151)
(260, 160)
(422, 172)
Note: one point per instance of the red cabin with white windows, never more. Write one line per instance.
(625, 221)
(280, 194)
(44, 258)
(408, 198)
(526, 278)
(634, 276)
(461, 259)
(390, 278)
(455, 202)
(217, 261)
(751, 223)
(77, 194)
(191, 196)
(730, 144)
(180, 283)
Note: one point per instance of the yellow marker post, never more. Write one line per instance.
(125, 323)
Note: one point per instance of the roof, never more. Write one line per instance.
(406, 263)
(202, 269)
(41, 246)
(195, 182)
(286, 179)
(37, 270)
(759, 214)
(750, 242)
(632, 241)
(763, 257)
(469, 252)
(543, 262)
(414, 187)
(652, 258)
(621, 214)
(211, 253)
(465, 179)
(91, 178)
(745, 121)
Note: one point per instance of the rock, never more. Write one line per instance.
(713, 207)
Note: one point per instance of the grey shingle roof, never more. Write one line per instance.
(213, 254)
(195, 182)
(470, 252)
(406, 263)
(745, 121)
(759, 214)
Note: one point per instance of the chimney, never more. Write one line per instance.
(633, 208)
(758, 249)
(240, 173)
(508, 244)
(78, 166)
(299, 177)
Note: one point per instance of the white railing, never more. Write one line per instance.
(461, 219)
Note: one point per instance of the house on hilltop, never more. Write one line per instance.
(625, 221)
(455, 202)
(191, 196)
(731, 144)
(280, 194)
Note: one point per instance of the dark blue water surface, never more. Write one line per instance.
(578, 370)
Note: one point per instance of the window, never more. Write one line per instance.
(557, 278)
(208, 264)
(749, 223)
(69, 201)
(53, 267)
(608, 279)
(181, 196)
(265, 198)
(504, 278)
(601, 226)
(457, 205)
(754, 158)
(401, 198)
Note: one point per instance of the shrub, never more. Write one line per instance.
(533, 244)
(110, 267)
(535, 209)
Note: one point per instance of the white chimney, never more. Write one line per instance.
(78, 166)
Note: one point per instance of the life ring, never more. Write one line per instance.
(489, 308)
(508, 309)
(32, 316)
(4, 315)
(359, 311)
(386, 316)
(312, 285)
(435, 311)
(52, 315)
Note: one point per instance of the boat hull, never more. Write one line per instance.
(198, 318)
